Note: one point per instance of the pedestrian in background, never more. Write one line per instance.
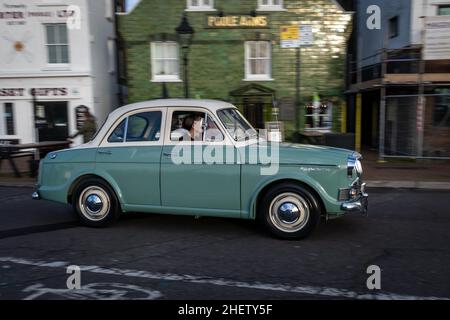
(88, 128)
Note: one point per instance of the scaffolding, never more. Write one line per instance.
(414, 103)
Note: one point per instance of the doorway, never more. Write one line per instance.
(255, 102)
(51, 121)
(254, 113)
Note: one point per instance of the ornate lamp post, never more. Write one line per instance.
(185, 33)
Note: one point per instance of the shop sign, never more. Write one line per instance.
(17, 14)
(37, 92)
(437, 40)
(237, 21)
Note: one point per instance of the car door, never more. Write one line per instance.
(193, 173)
(130, 156)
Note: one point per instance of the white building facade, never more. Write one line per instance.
(63, 53)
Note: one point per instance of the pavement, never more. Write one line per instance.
(164, 257)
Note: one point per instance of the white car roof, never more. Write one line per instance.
(212, 105)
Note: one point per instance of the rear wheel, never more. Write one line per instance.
(96, 203)
(289, 211)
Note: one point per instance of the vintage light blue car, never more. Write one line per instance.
(202, 158)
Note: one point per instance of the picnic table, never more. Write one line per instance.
(37, 150)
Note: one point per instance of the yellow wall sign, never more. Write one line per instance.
(296, 36)
(289, 33)
(237, 22)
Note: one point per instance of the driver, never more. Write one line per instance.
(191, 130)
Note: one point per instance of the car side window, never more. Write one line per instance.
(194, 126)
(145, 126)
(212, 131)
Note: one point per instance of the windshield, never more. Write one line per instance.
(236, 125)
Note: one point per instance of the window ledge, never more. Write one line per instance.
(258, 79)
(200, 9)
(271, 8)
(57, 67)
(156, 79)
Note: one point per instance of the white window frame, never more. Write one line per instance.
(270, 6)
(200, 7)
(164, 78)
(257, 77)
(56, 64)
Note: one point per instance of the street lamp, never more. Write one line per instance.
(185, 32)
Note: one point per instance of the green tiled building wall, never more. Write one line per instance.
(216, 57)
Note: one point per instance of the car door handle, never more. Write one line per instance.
(167, 155)
(105, 152)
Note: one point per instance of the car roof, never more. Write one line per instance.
(212, 105)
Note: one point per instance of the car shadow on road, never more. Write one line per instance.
(326, 230)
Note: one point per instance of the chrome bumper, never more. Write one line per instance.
(358, 205)
(36, 196)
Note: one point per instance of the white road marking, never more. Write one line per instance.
(308, 290)
(104, 291)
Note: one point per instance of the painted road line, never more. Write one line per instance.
(307, 290)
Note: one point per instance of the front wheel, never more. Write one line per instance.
(95, 203)
(289, 211)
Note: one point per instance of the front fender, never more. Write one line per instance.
(251, 191)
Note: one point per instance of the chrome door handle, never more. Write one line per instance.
(105, 152)
(165, 154)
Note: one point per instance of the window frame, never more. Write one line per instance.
(257, 77)
(442, 6)
(47, 45)
(3, 120)
(271, 6)
(105, 143)
(199, 8)
(391, 33)
(164, 78)
(13, 119)
(328, 118)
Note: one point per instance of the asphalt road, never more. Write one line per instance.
(172, 257)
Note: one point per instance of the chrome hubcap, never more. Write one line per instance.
(289, 212)
(94, 203)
